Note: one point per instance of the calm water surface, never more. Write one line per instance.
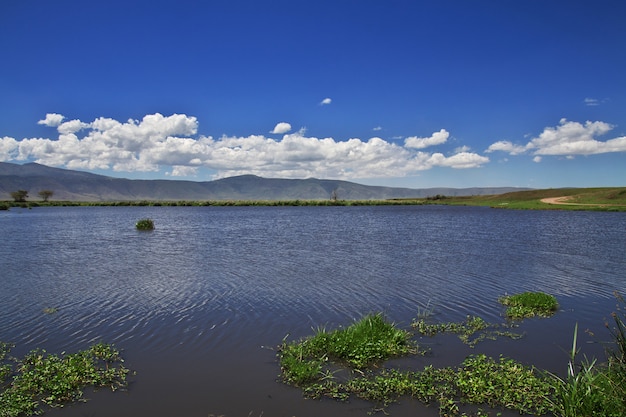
(198, 304)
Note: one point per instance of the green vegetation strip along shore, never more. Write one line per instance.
(594, 199)
(349, 362)
(217, 203)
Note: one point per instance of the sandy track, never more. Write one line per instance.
(563, 201)
(557, 200)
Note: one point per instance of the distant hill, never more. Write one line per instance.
(69, 185)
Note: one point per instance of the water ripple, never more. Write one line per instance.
(215, 279)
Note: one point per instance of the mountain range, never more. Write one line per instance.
(70, 185)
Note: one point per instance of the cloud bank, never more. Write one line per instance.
(171, 142)
(567, 139)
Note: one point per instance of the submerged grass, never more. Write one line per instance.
(471, 331)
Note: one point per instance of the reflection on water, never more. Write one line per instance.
(198, 303)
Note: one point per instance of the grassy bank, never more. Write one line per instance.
(595, 199)
(218, 203)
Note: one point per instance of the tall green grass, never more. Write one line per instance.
(368, 341)
(590, 389)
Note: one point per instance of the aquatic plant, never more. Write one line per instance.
(529, 304)
(54, 380)
(616, 371)
(471, 331)
(425, 312)
(369, 340)
(588, 389)
(313, 362)
(502, 383)
(617, 355)
(145, 224)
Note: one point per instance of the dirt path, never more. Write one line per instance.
(563, 201)
(557, 200)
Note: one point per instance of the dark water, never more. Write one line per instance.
(198, 304)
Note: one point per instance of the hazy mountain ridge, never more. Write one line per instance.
(69, 185)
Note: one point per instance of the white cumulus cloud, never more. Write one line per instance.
(8, 148)
(52, 119)
(567, 139)
(436, 138)
(281, 128)
(458, 161)
(72, 126)
(326, 101)
(159, 142)
(506, 146)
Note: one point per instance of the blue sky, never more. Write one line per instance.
(402, 93)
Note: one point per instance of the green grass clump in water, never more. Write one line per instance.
(589, 389)
(479, 380)
(41, 378)
(368, 341)
(529, 304)
(145, 224)
(592, 388)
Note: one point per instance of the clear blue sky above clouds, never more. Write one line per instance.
(402, 93)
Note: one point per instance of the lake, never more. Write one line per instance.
(199, 304)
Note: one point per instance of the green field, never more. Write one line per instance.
(597, 199)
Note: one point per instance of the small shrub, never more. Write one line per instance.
(145, 224)
(529, 304)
